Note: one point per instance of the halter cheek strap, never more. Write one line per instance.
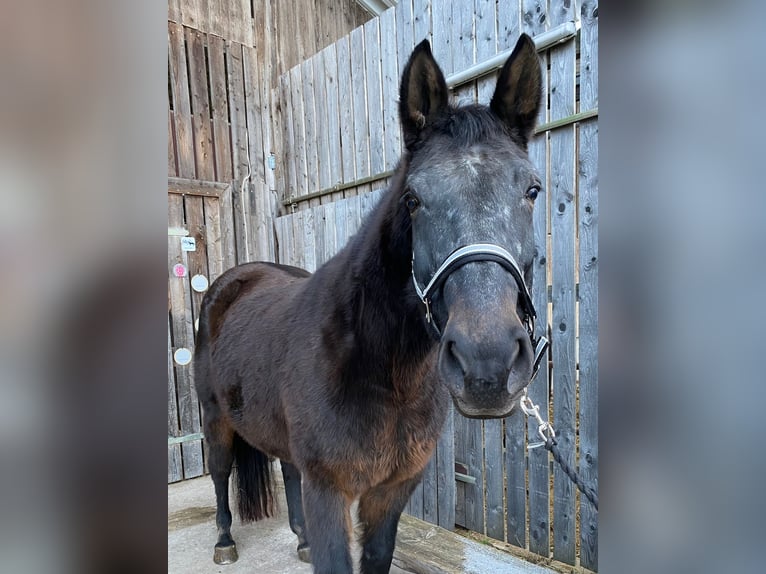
(483, 252)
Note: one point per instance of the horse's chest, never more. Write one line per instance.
(398, 450)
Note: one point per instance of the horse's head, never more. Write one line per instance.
(470, 183)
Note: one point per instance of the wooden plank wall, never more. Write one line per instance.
(225, 124)
(534, 21)
(588, 280)
(516, 496)
(298, 28)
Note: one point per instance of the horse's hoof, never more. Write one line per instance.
(225, 554)
(304, 554)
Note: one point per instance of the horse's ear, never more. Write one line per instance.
(517, 95)
(423, 93)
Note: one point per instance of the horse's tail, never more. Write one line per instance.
(254, 483)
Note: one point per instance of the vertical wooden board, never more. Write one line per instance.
(175, 464)
(172, 168)
(258, 223)
(227, 230)
(329, 232)
(376, 142)
(279, 231)
(282, 241)
(260, 214)
(359, 96)
(239, 223)
(588, 275)
(200, 105)
(330, 60)
(348, 153)
(219, 17)
(183, 336)
(534, 22)
(282, 21)
(461, 47)
(301, 27)
(252, 77)
(296, 94)
(430, 485)
(474, 493)
(268, 127)
(353, 216)
(445, 473)
(562, 82)
(236, 21)
(287, 239)
(307, 73)
(486, 41)
(220, 108)
(405, 40)
(463, 37)
(321, 120)
(203, 12)
(319, 235)
(416, 498)
(197, 259)
(368, 203)
(442, 43)
(214, 237)
(258, 13)
(515, 481)
(174, 10)
(288, 138)
(309, 245)
(299, 239)
(239, 150)
(189, 13)
(390, 93)
(493, 478)
(508, 24)
(182, 105)
(421, 21)
(460, 459)
(341, 224)
(237, 109)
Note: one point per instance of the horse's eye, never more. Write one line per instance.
(411, 202)
(532, 192)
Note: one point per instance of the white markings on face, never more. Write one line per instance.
(470, 161)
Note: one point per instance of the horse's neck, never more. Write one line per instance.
(388, 326)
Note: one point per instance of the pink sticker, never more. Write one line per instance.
(179, 270)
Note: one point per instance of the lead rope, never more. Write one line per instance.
(548, 436)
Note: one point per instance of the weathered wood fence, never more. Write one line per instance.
(342, 138)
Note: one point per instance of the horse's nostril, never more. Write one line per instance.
(456, 356)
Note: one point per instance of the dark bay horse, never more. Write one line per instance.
(346, 375)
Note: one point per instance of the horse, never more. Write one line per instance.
(346, 375)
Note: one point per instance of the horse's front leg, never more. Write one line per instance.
(379, 512)
(328, 527)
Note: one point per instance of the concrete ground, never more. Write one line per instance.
(264, 547)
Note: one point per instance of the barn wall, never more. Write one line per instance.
(224, 128)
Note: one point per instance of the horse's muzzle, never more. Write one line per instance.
(486, 378)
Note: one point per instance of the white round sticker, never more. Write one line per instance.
(182, 356)
(199, 283)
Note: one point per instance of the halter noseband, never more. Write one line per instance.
(484, 252)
